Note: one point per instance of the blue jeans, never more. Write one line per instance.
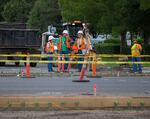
(136, 67)
(66, 58)
(80, 59)
(50, 65)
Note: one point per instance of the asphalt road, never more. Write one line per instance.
(63, 86)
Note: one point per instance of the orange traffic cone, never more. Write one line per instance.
(82, 72)
(28, 66)
(94, 89)
(94, 68)
(81, 78)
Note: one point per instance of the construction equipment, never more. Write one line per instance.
(15, 38)
(72, 27)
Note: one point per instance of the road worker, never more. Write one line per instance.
(136, 53)
(75, 48)
(50, 50)
(82, 47)
(64, 48)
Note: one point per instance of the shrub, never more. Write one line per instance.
(113, 41)
(107, 48)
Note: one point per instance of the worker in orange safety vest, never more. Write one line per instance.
(50, 50)
(75, 48)
(136, 53)
(82, 47)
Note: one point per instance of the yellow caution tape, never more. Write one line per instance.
(68, 55)
(73, 62)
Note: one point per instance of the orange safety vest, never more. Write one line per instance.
(75, 48)
(59, 45)
(82, 46)
(136, 50)
(49, 47)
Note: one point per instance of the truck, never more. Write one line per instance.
(15, 38)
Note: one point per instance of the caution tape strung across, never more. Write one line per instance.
(67, 55)
(73, 62)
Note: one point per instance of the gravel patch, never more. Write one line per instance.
(98, 114)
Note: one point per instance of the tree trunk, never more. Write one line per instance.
(146, 38)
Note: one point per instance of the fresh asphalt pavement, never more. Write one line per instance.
(63, 86)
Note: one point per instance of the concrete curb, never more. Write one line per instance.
(99, 74)
(79, 102)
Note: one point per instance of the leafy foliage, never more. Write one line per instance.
(104, 16)
(145, 4)
(17, 10)
(44, 13)
(2, 4)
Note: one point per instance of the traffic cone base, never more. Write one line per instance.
(94, 76)
(81, 78)
(77, 80)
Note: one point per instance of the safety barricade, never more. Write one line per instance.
(93, 63)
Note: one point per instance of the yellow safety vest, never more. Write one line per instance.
(136, 50)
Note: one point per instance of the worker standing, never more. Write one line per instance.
(136, 52)
(64, 47)
(75, 48)
(50, 51)
(82, 47)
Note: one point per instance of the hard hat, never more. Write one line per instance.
(65, 32)
(50, 38)
(80, 32)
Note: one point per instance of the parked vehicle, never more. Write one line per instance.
(15, 38)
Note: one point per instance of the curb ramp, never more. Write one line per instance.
(73, 103)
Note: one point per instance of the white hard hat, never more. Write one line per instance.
(80, 32)
(65, 32)
(50, 38)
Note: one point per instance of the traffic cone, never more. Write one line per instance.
(94, 68)
(82, 72)
(81, 78)
(94, 89)
(28, 67)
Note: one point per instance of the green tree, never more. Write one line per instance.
(2, 3)
(71, 10)
(145, 4)
(106, 15)
(17, 10)
(44, 13)
(84, 10)
(145, 18)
